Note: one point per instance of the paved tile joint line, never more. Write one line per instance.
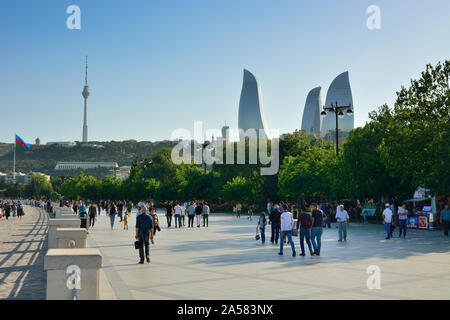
(23, 245)
(225, 262)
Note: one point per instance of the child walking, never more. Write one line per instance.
(125, 221)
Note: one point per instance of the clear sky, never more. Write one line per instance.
(159, 65)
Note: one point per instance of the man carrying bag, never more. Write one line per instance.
(144, 231)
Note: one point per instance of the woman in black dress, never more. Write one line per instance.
(20, 212)
(7, 210)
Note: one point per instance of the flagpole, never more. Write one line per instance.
(14, 163)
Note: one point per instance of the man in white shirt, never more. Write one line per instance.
(388, 218)
(183, 211)
(206, 211)
(191, 214)
(343, 220)
(338, 209)
(287, 223)
(178, 209)
(402, 219)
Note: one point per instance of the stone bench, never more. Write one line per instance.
(68, 238)
(73, 271)
(54, 224)
(63, 211)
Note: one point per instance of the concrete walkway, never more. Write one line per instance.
(23, 245)
(225, 262)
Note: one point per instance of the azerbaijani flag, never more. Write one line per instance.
(20, 144)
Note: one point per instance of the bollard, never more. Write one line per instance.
(63, 211)
(69, 216)
(73, 272)
(70, 238)
(54, 224)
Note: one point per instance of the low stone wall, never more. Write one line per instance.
(73, 274)
(54, 224)
(69, 238)
(73, 271)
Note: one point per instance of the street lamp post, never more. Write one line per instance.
(339, 112)
(146, 164)
(204, 145)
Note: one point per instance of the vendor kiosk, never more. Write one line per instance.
(422, 211)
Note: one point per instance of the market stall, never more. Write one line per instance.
(422, 210)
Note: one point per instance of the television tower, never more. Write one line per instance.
(85, 94)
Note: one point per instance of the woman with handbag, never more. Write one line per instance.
(155, 222)
(262, 222)
(20, 212)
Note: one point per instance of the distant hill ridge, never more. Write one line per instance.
(44, 158)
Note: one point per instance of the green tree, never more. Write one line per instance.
(307, 175)
(110, 188)
(361, 171)
(417, 142)
(239, 188)
(37, 187)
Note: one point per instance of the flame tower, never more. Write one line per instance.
(85, 94)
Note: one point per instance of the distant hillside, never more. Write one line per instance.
(5, 148)
(44, 158)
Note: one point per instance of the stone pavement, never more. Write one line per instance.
(225, 262)
(23, 245)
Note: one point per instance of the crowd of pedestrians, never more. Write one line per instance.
(197, 211)
(11, 209)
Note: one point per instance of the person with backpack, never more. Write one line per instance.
(83, 215)
(144, 232)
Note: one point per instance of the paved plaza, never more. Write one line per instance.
(23, 245)
(225, 262)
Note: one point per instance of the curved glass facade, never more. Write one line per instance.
(311, 113)
(251, 112)
(341, 92)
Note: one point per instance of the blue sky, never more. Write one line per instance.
(159, 65)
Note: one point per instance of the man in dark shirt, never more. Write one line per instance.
(275, 223)
(120, 210)
(326, 210)
(198, 212)
(144, 231)
(304, 222)
(316, 230)
(169, 214)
